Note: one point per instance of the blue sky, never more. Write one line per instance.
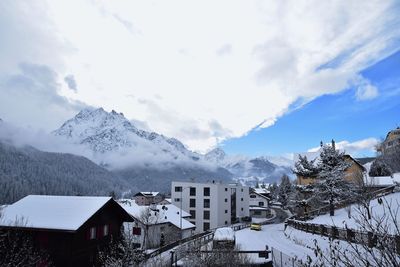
(340, 116)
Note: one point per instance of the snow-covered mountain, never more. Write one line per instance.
(250, 169)
(105, 132)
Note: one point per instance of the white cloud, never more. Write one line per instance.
(167, 55)
(355, 148)
(365, 90)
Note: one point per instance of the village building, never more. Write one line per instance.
(156, 225)
(354, 173)
(211, 205)
(391, 144)
(259, 203)
(148, 198)
(70, 229)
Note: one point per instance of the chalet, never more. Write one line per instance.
(354, 173)
(71, 229)
(148, 198)
(156, 225)
(259, 203)
(391, 144)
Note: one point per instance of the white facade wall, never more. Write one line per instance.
(255, 199)
(220, 202)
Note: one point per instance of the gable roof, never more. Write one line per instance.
(165, 213)
(65, 213)
(147, 194)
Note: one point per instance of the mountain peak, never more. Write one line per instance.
(216, 155)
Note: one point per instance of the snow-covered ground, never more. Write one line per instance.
(273, 235)
(377, 210)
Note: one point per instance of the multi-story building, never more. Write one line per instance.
(211, 205)
(148, 198)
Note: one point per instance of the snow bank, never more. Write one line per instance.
(224, 233)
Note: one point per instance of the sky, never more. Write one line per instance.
(254, 77)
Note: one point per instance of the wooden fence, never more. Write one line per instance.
(350, 235)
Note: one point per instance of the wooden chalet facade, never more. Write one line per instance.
(71, 230)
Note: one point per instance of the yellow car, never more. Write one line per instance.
(255, 226)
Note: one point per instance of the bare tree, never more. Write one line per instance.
(121, 252)
(379, 249)
(17, 247)
(149, 218)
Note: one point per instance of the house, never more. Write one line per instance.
(71, 229)
(148, 198)
(354, 173)
(391, 144)
(156, 225)
(211, 205)
(259, 203)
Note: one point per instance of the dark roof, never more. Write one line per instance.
(365, 160)
(355, 161)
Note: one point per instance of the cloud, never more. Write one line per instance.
(224, 50)
(31, 97)
(356, 148)
(283, 51)
(70, 81)
(365, 90)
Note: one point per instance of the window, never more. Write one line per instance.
(261, 204)
(226, 211)
(253, 196)
(206, 215)
(241, 209)
(206, 226)
(192, 214)
(192, 191)
(206, 203)
(178, 188)
(226, 222)
(136, 231)
(241, 190)
(257, 212)
(105, 230)
(226, 189)
(206, 191)
(241, 199)
(177, 200)
(226, 200)
(92, 233)
(192, 203)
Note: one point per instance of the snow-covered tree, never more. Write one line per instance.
(380, 168)
(304, 167)
(285, 190)
(274, 189)
(331, 185)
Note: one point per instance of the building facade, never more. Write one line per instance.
(211, 205)
(391, 144)
(148, 198)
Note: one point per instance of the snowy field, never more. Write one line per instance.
(273, 235)
(377, 210)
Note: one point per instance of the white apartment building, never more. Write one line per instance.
(211, 205)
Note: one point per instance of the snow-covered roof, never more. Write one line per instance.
(257, 208)
(169, 214)
(153, 194)
(224, 233)
(66, 213)
(261, 191)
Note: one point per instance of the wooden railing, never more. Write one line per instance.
(350, 235)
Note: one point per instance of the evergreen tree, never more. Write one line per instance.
(380, 168)
(285, 190)
(305, 168)
(331, 184)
